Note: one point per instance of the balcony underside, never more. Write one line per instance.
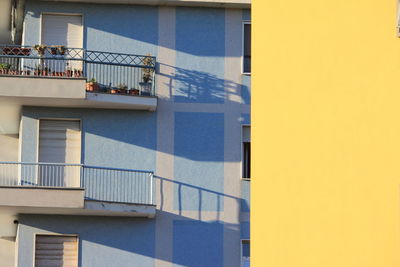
(64, 92)
(16, 92)
(65, 201)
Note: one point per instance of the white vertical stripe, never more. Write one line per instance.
(232, 144)
(165, 136)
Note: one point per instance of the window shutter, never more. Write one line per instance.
(56, 251)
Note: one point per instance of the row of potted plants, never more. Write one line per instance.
(41, 49)
(5, 68)
(93, 86)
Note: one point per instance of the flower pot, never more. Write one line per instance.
(92, 87)
(53, 50)
(134, 92)
(78, 73)
(122, 91)
(145, 88)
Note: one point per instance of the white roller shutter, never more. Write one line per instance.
(56, 251)
(59, 142)
(62, 30)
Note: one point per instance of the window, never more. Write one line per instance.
(246, 154)
(56, 250)
(245, 253)
(59, 142)
(246, 47)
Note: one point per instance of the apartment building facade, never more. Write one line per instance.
(125, 133)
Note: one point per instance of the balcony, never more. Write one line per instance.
(75, 189)
(76, 77)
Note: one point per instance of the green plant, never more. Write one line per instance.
(148, 70)
(93, 80)
(61, 49)
(40, 49)
(5, 66)
(122, 86)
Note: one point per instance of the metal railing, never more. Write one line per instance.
(100, 183)
(111, 72)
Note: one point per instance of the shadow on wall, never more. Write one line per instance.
(192, 86)
(198, 196)
(107, 241)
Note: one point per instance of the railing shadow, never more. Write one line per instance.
(179, 188)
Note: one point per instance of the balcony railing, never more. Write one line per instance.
(105, 72)
(101, 184)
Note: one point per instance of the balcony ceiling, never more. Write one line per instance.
(203, 3)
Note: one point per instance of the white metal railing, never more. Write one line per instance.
(100, 183)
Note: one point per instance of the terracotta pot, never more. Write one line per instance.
(92, 87)
(134, 92)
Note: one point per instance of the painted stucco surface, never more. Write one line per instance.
(192, 142)
(110, 138)
(198, 244)
(103, 241)
(199, 156)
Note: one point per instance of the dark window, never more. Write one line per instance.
(247, 48)
(246, 159)
(246, 253)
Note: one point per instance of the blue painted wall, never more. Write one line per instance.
(104, 241)
(112, 28)
(197, 244)
(199, 161)
(128, 139)
(110, 138)
(200, 45)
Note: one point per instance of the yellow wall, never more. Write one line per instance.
(326, 134)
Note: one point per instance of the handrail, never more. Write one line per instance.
(100, 183)
(120, 73)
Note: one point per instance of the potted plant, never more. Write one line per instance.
(134, 91)
(77, 73)
(122, 88)
(53, 50)
(46, 71)
(92, 85)
(41, 49)
(148, 70)
(40, 70)
(68, 71)
(5, 68)
(147, 75)
(61, 49)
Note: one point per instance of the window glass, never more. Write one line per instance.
(245, 253)
(247, 48)
(246, 153)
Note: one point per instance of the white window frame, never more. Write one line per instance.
(245, 22)
(241, 251)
